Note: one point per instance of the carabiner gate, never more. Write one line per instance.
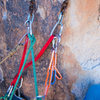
(55, 43)
(9, 90)
(58, 23)
(28, 23)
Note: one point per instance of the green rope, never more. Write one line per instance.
(34, 70)
(32, 38)
(1, 97)
(34, 73)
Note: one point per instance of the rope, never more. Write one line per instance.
(41, 52)
(36, 58)
(34, 70)
(30, 48)
(4, 97)
(52, 66)
(22, 60)
(11, 53)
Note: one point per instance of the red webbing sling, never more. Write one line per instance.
(41, 52)
(22, 61)
(36, 58)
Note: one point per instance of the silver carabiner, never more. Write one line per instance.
(40, 96)
(21, 83)
(28, 23)
(9, 90)
(31, 24)
(22, 39)
(55, 43)
(19, 87)
(60, 33)
(58, 22)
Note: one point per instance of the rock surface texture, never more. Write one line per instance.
(78, 52)
(81, 40)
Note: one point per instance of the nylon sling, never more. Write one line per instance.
(36, 58)
(22, 61)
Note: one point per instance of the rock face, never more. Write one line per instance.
(78, 52)
(13, 14)
(81, 38)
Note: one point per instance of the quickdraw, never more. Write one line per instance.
(52, 72)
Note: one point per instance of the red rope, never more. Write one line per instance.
(36, 58)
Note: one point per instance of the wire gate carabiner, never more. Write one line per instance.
(9, 91)
(52, 72)
(18, 95)
(55, 44)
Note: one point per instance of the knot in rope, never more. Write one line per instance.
(32, 38)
